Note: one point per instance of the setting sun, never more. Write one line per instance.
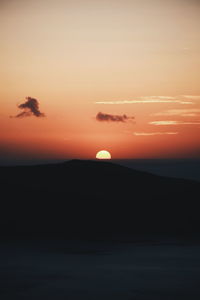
(103, 154)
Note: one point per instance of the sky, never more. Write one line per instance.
(81, 76)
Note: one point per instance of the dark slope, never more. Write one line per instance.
(89, 197)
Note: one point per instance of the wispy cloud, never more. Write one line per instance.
(190, 112)
(29, 108)
(149, 99)
(160, 97)
(154, 133)
(158, 123)
(193, 97)
(112, 118)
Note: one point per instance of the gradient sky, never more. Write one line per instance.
(138, 58)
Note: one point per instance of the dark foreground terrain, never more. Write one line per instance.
(88, 198)
(96, 230)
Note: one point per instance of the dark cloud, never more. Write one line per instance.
(112, 118)
(30, 108)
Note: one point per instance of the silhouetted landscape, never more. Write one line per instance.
(91, 197)
(97, 230)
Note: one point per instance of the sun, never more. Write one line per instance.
(103, 154)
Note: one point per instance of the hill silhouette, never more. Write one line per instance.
(95, 197)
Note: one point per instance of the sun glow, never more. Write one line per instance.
(103, 154)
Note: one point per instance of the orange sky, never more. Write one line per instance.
(140, 58)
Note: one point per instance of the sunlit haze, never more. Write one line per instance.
(81, 76)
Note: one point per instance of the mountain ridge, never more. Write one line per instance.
(91, 197)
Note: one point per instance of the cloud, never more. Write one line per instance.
(158, 123)
(30, 108)
(194, 97)
(149, 100)
(190, 112)
(160, 97)
(112, 118)
(154, 133)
